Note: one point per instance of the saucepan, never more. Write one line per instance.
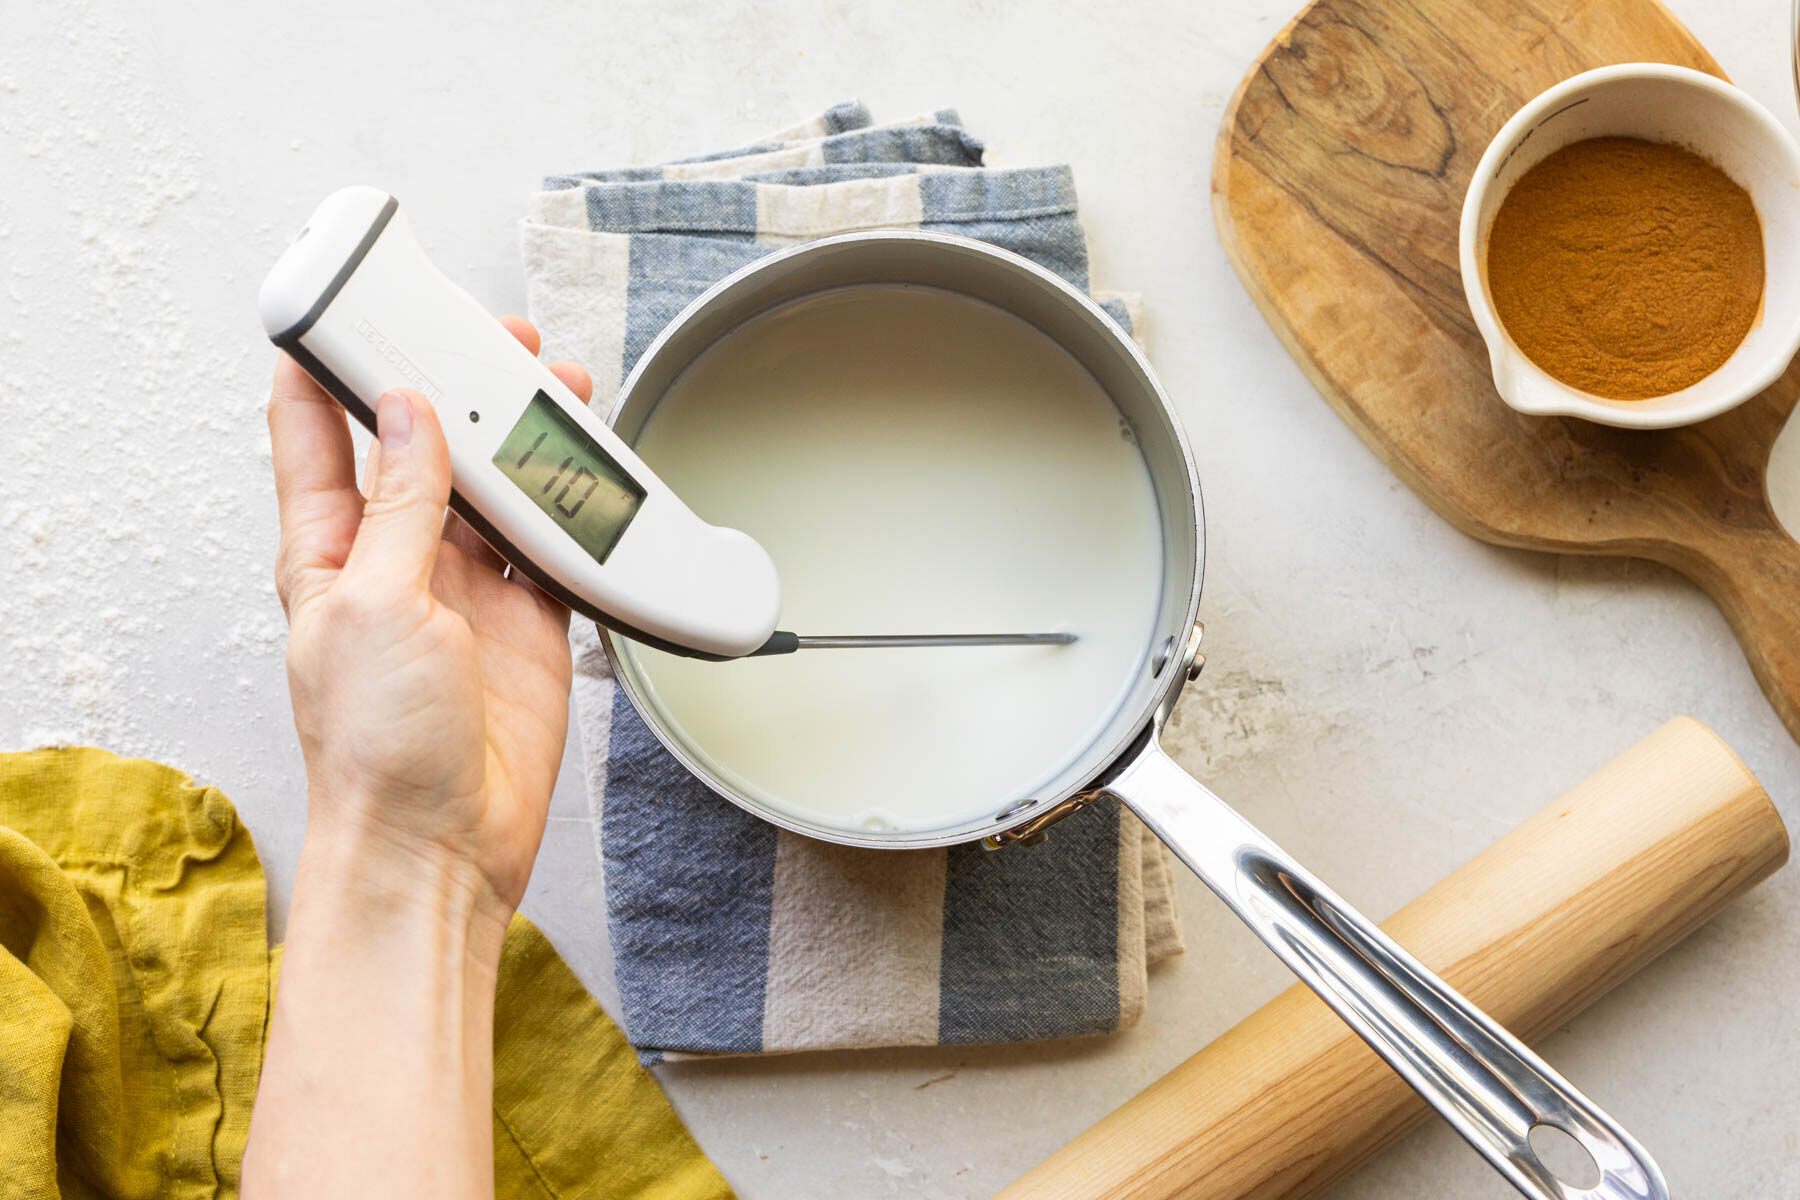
(1485, 1082)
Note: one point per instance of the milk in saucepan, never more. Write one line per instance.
(915, 461)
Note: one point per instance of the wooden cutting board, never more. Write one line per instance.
(1337, 187)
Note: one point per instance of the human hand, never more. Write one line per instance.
(429, 690)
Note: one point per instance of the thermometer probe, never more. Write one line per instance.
(545, 482)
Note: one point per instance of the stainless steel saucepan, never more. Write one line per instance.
(1484, 1081)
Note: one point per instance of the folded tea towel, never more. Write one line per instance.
(135, 983)
(729, 935)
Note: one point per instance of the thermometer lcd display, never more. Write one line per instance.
(568, 475)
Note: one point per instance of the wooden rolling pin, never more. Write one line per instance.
(1533, 930)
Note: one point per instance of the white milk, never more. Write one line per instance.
(916, 462)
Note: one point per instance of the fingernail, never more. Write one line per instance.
(393, 420)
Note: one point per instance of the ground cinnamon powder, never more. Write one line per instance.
(1626, 268)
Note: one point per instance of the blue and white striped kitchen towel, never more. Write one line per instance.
(729, 935)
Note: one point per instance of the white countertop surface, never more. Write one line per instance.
(1384, 696)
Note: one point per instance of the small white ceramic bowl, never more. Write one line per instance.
(1664, 104)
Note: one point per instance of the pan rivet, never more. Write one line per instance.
(1022, 806)
(1162, 657)
(1196, 661)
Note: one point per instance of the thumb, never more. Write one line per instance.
(403, 519)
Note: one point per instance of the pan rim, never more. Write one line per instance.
(1118, 734)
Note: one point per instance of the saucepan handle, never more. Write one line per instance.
(1484, 1081)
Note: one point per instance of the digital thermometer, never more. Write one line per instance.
(542, 479)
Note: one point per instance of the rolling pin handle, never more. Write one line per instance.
(1486, 1083)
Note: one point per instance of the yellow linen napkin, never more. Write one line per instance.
(135, 983)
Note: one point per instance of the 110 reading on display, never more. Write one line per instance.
(566, 473)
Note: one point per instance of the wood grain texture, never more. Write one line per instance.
(1337, 189)
(1532, 930)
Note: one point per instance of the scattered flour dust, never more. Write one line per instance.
(137, 610)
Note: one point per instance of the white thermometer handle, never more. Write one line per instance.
(554, 490)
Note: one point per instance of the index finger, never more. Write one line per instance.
(315, 471)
